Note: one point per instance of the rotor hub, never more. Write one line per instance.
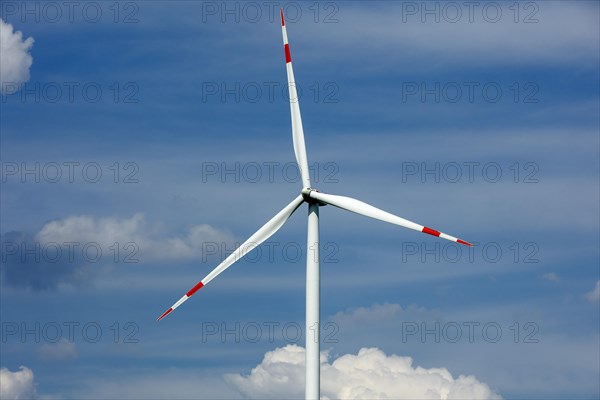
(306, 196)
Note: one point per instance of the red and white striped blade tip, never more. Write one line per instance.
(433, 232)
(164, 314)
(189, 294)
(282, 17)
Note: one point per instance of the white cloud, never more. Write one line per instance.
(61, 350)
(15, 59)
(370, 374)
(551, 276)
(17, 385)
(153, 244)
(594, 295)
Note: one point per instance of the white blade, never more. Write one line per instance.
(297, 131)
(368, 210)
(255, 240)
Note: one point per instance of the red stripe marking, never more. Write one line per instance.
(463, 242)
(164, 314)
(430, 231)
(282, 19)
(194, 289)
(288, 56)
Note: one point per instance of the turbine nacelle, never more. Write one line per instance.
(307, 198)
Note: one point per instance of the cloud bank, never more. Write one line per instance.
(370, 374)
(15, 59)
(17, 385)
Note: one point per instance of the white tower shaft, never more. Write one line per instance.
(313, 294)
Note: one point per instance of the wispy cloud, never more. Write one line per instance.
(474, 36)
(551, 276)
(593, 296)
(62, 350)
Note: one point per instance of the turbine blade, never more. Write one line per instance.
(255, 240)
(297, 131)
(359, 207)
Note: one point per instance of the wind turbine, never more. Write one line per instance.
(315, 199)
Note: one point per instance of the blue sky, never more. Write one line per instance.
(379, 107)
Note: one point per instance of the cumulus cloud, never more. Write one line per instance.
(62, 350)
(594, 295)
(73, 250)
(370, 374)
(17, 385)
(551, 276)
(153, 244)
(15, 59)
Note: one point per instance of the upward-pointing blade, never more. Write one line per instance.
(297, 131)
(357, 206)
(255, 240)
